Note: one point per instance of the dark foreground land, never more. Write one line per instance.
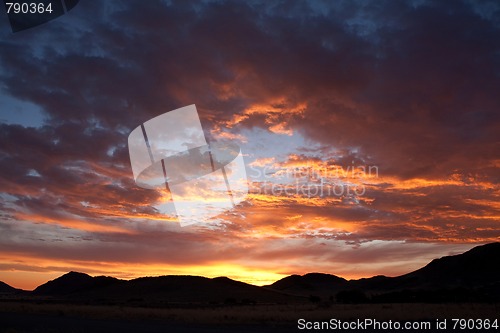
(465, 286)
(17, 317)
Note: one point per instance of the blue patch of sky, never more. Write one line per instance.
(20, 112)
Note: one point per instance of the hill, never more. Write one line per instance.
(471, 276)
(157, 291)
(310, 284)
(74, 282)
(6, 289)
(476, 267)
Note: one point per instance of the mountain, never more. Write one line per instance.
(74, 282)
(468, 277)
(476, 267)
(157, 291)
(6, 289)
(191, 289)
(473, 275)
(472, 269)
(308, 284)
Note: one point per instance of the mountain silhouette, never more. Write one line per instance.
(311, 283)
(6, 289)
(472, 269)
(160, 290)
(191, 289)
(74, 282)
(476, 267)
(471, 276)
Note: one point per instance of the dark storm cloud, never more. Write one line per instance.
(413, 86)
(429, 107)
(346, 62)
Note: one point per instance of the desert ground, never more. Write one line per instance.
(16, 317)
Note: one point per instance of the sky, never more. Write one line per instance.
(370, 132)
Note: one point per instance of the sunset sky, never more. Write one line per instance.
(315, 93)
